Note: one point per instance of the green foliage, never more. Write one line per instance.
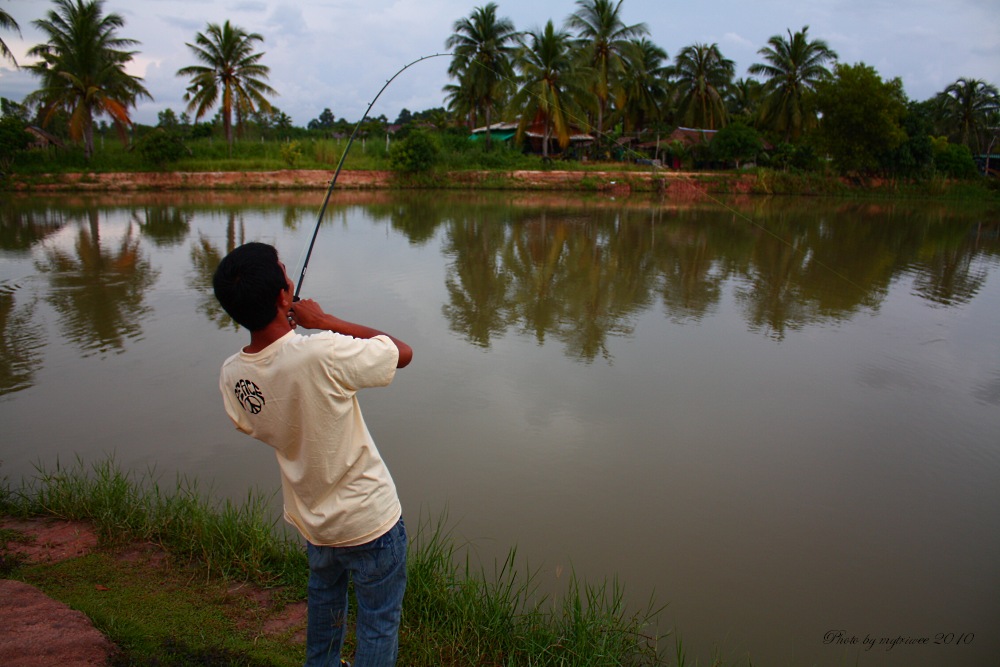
(702, 73)
(797, 157)
(82, 68)
(161, 146)
(417, 153)
(861, 118)
(12, 108)
(736, 142)
(914, 158)
(792, 68)
(500, 617)
(231, 74)
(954, 160)
(235, 541)
(324, 122)
(175, 615)
(13, 140)
(291, 153)
(167, 119)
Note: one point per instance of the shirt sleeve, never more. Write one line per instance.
(360, 363)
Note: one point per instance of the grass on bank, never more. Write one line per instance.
(453, 613)
(459, 155)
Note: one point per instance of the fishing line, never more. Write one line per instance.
(581, 122)
(340, 165)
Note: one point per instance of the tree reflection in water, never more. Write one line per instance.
(577, 272)
(205, 257)
(582, 277)
(99, 294)
(21, 340)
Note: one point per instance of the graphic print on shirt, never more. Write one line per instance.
(250, 396)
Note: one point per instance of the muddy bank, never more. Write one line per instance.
(611, 181)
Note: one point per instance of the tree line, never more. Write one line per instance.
(595, 75)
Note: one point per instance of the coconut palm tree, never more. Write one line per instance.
(603, 35)
(483, 46)
(702, 76)
(792, 69)
(460, 98)
(82, 69)
(642, 90)
(743, 101)
(7, 22)
(968, 108)
(230, 70)
(550, 85)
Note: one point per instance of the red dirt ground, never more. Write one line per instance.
(37, 631)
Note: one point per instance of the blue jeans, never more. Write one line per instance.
(378, 571)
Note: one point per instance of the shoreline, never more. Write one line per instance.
(677, 186)
(616, 181)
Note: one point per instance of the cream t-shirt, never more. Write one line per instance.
(298, 395)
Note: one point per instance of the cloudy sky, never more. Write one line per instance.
(337, 54)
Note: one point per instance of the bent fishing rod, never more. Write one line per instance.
(340, 165)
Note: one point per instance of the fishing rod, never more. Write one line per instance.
(340, 165)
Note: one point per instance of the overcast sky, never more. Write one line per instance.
(337, 54)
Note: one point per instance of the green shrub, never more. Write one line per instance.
(161, 146)
(417, 153)
(291, 153)
(737, 143)
(953, 160)
(13, 140)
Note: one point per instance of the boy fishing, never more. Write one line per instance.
(298, 394)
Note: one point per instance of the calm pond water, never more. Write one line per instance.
(781, 417)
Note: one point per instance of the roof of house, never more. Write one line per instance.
(692, 136)
(537, 131)
(496, 127)
(42, 137)
(503, 131)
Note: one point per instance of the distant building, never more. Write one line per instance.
(534, 135)
(43, 139)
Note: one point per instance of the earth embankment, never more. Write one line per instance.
(610, 180)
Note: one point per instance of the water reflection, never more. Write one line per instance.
(580, 280)
(164, 225)
(575, 273)
(687, 320)
(205, 257)
(21, 340)
(99, 293)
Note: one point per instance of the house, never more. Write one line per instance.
(690, 137)
(43, 139)
(534, 135)
(498, 132)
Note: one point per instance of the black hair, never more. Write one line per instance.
(247, 284)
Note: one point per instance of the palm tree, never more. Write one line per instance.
(550, 85)
(483, 46)
(231, 70)
(968, 107)
(643, 87)
(792, 69)
(82, 68)
(459, 97)
(604, 36)
(743, 100)
(7, 22)
(702, 75)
